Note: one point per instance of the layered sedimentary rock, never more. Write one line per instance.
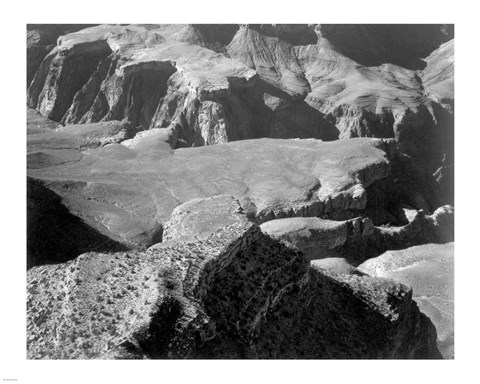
(428, 269)
(236, 293)
(211, 84)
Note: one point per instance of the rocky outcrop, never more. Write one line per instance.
(422, 228)
(203, 216)
(235, 293)
(315, 237)
(62, 74)
(357, 240)
(428, 269)
(270, 178)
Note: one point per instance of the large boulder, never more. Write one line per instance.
(203, 216)
(428, 269)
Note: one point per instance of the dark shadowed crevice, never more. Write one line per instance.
(144, 86)
(77, 68)
(85, 97)
(406, 186)
(153, 340)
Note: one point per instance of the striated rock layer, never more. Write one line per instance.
(234, 294)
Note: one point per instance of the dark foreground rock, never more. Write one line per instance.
(234, 294)
(428, 269)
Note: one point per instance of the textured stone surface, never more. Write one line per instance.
(236, 293)
(428, 269)
(202, 217)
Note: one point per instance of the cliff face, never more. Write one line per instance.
(234, 294)
(213, 84)
(41, 39)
